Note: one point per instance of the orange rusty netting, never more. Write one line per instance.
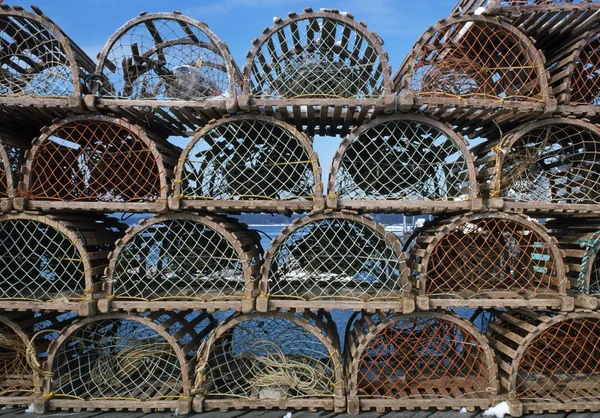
(585, 82)
(15, 373)
(563, 362)
(474, 59)
(94, 160)
(491, 254)
(424, 357)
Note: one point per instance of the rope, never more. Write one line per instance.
(592, 246)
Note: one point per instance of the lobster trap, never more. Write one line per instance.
(488, 260)
(271, 360)
(474, 65)
(168, 70)
(42, 71)
(548, 166)
(548, 362)
(11, 159)
(419, 360)
(580, 242)
(123, 361)
(403, 163)
(184, 260)
(98, 163)
(249, 163)
(335, 261)
(53, 262)
(321, 69)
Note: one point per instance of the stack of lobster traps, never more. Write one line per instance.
(489, 128)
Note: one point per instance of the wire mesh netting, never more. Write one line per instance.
(482, 254)
(476, 57)
(421, 356)
(124, 357)
(322, 54)
(37, 59)
(553, 358)
(249, 158)
(186, 257)
(403, 159)
(165, 56)
(554, 161)
(585, 80)
(96, 159)
(335, 256)
(268, 356)
(42, 259)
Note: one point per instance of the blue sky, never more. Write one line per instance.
(237, 22)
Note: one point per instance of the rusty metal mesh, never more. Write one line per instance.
(403, 160)
(553, 163)
(34, 61)
(124, 359)
(164, 58)
(490, 255)
(585, 80)
(317, 57)
(184, 259)
(335, 258)
(249, 159)
(94, 160)
(268, 357)
(479, 60)
(562, 363)
(16, 375)
(421, 357)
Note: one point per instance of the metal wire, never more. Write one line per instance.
(249, 159)
(476, 59)
(164, 57)
(553, 163)
(185, 259)
(423, 357)
(403, 160)
(317, 56)
(268, 357)
(94, 160)
(335, 258)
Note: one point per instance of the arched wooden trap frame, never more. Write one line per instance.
(580, 241)
(53, 262)
(271, 360)
(548, 361)
(11, 159)
(98, 163)
(123, 361)
(335, 260)
(406, 163)
(547, 166)
(169, 70)
(575, 74)
(474, 65)
(488, 260)
(24, 341)
(418, 360)
(498, 6)
(184, 261)
(42, 70)
(319, 69)
(249, 163)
